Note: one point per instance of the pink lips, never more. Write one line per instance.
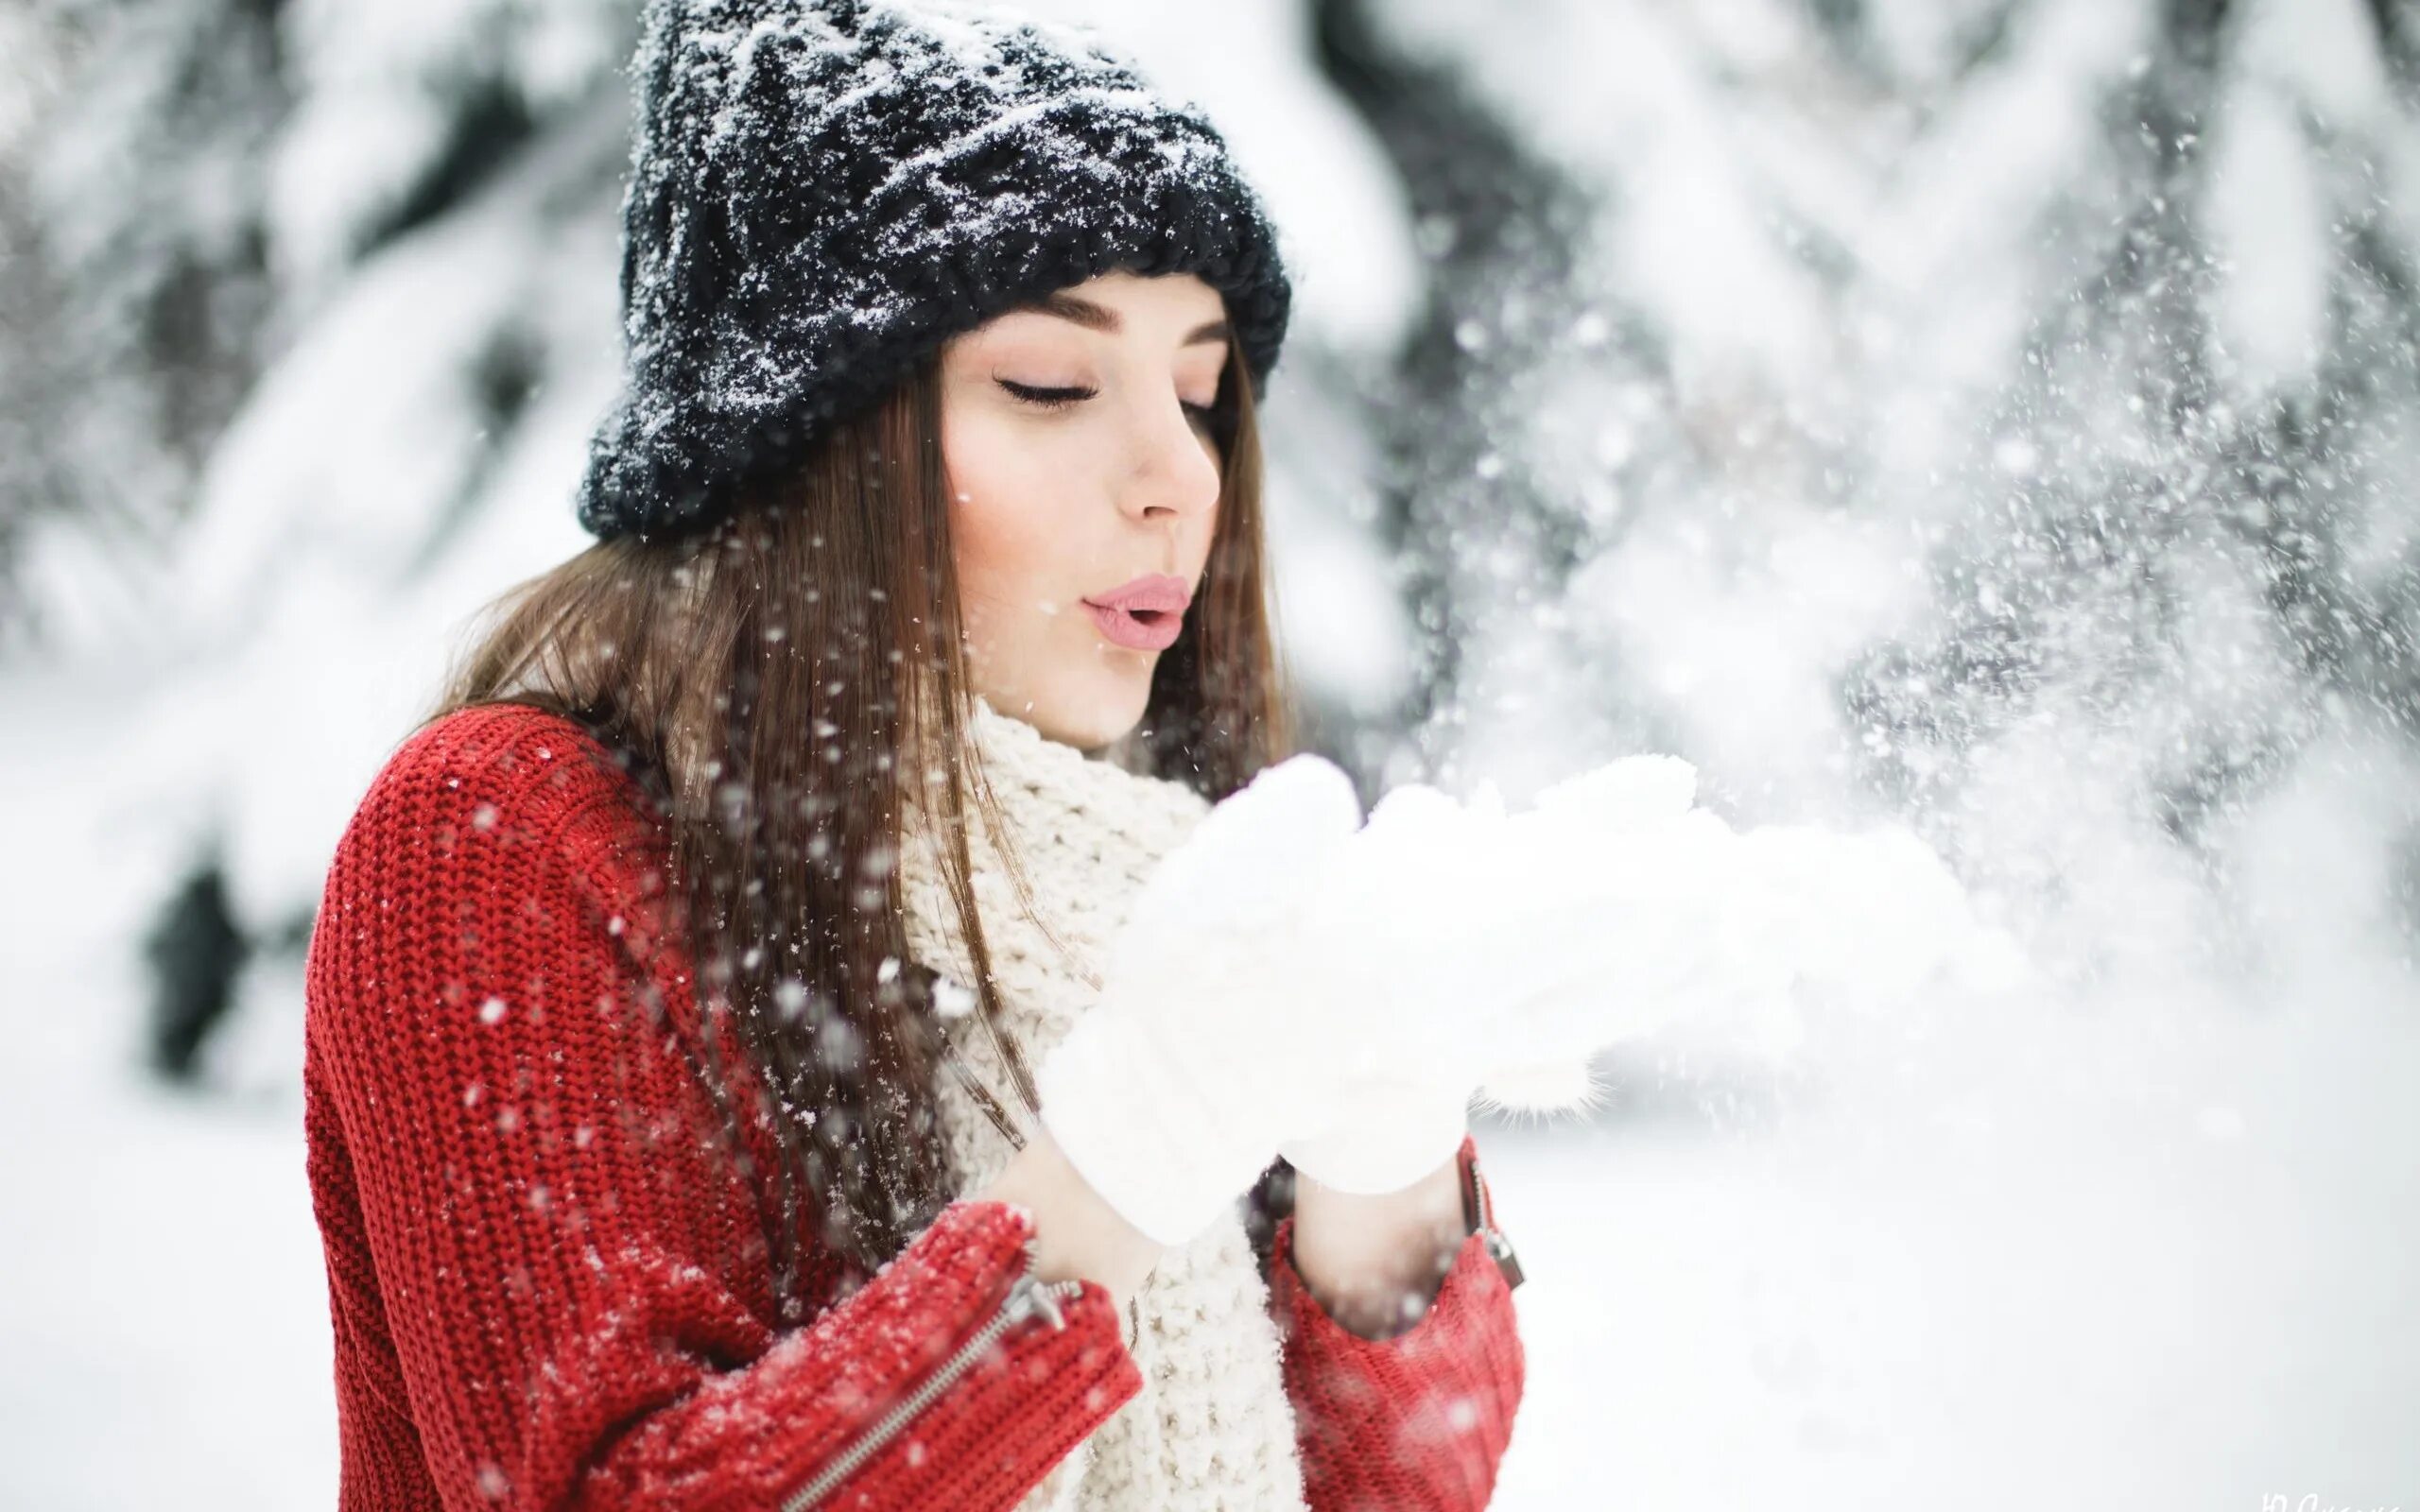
(1144, 615)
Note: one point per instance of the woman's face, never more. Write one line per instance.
(1082, 467)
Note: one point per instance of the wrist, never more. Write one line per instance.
(1374, 1262)
(1374, 1223)
(1078, 1235)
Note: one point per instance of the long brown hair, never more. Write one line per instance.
(779, 682)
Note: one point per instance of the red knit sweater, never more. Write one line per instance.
(549, 1281)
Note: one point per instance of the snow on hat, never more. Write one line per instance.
(824, 190)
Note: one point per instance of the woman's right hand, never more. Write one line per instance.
(1171, 1092)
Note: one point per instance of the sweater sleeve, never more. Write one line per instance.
(1419, 1420)
(531, 1234)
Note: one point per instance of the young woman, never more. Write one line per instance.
(679, 990)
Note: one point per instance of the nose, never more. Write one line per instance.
(1172, 472)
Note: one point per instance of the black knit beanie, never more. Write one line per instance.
(822, 192)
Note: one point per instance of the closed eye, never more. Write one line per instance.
(1042, 398)
(1046, 398)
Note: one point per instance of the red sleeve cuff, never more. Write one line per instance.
(1419, 1420)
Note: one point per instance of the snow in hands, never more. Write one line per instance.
(1497, 951)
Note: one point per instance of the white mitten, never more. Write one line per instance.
(1171, 1092)
(1382, 1133)
(1479, 917)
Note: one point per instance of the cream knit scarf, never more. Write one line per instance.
(1212, 1427)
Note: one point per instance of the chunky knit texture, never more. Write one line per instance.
(549, 1278)
(1211, 1428)
(822, 192)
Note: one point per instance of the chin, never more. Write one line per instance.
(1096, 717)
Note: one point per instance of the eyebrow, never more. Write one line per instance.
(1102, 318)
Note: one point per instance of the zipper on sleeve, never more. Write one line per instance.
(1028, 1296)
(1478, 1214)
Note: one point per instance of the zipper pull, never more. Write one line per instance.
(1029, 1294)
(1500, 1248)
(1028, 1297)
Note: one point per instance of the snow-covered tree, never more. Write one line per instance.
(1999, 410)
(134, 295)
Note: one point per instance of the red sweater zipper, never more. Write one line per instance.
(1028, 1296)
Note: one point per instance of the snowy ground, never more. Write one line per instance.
(2147, 1253)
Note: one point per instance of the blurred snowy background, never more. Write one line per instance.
(2001, 415)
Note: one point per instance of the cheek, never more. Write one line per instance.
(1004, 516)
